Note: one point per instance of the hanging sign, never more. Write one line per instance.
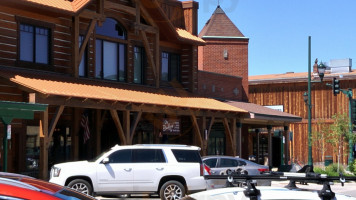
(9, 132)
(171, 126)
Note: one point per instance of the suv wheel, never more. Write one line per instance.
(172, 190)
(81, 186)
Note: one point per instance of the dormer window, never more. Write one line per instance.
(111, 51)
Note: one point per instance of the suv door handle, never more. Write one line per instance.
(160, 169)
(128, 170)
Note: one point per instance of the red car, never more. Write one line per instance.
(26, 187)
(16, 192)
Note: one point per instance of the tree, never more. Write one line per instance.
(319, 137)
(339, 134)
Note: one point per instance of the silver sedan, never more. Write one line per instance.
(220, 165)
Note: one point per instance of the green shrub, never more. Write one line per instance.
(331, 170)
(319, 170)
(352, 167)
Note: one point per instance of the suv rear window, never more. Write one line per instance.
(187, 155)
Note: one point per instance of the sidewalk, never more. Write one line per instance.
(348, 189)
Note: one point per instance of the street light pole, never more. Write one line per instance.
(310, 154)
(321, 71)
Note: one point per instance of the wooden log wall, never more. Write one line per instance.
(324, 106)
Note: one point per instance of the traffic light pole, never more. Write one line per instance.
(349, 95)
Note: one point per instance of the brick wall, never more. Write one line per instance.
(219, 86)
(212, 59)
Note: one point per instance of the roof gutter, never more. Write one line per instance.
(224, 37)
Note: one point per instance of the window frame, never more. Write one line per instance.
(84, 58)
(142, 66)
(36, 24)
(117, 41)
(170, 77)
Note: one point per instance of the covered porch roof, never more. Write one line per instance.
(55, 89)
(259, 116)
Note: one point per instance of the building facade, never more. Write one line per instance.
(223, 75)
(287, 90)
(108, 72)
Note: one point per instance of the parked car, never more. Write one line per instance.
(168, 170)
(30, 188)
(225, 164)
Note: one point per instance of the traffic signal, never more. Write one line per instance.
(336, 86)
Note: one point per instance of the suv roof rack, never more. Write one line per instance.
(236, 179)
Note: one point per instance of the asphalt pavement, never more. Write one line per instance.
(348, 189)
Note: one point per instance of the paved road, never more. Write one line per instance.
(348, 189)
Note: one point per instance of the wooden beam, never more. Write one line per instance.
(205, 138)
(133, 128)
(197, 130)
(227, 130)
(54, 122)
(88, 14)
(138, 14)
(210, 125)
(117, 122)
(149, 53)
(146, 28)
(233, 132)
(120, 7)
(75, 45)
(107, 105)
(43, 145)
(158, 77)
(100, 116)
(85, 42)
(147, 16)
(75, 133)
(126, 126)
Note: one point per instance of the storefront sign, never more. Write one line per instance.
(171, 126)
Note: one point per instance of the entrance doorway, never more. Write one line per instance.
(276, 151)
(217, 141)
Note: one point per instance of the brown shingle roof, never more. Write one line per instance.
(258, 110)
(219, 24)
(53, 84)
(185, 35)
(64, 5)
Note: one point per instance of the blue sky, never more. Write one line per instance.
(278, 31)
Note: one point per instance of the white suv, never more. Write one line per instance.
(168, 170)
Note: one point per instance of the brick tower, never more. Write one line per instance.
(226, 49)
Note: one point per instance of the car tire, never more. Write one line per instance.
(172, 190)
(82, 186)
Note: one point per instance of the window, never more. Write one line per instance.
(228, 162)
(34, 44)
(170, 67)
(187, 155)
(211, 162)
(110, 52)
(121, 156)
(139, 65)
(148, 156)
(83, 62)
